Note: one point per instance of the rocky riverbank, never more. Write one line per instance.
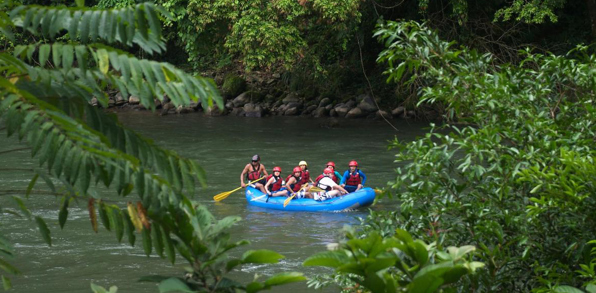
(362, 106)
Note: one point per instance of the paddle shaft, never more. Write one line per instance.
(224, 195)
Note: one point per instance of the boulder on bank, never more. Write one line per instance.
(133, 100)
(320, 112)
(398, 112)
(324, 102)
(233, 86)
(354, 113)
(241, 100)
(367, 104)
(252, 110)
(342, 110)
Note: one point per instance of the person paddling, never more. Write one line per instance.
(252, 171)
(305, 173)
(331, 188)
(275, 184)
(353, 178)
(294, 183)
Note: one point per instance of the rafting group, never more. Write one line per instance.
(299, 184)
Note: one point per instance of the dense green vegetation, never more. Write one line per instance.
(46, 92)
(509, 177)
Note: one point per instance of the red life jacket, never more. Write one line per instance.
(276, 185)
(319, 179)
(255, 174)
(354, 178)
(305, 177)
(296, 186)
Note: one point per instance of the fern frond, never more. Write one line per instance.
(80, 155)
(89, 65)
(130, 25)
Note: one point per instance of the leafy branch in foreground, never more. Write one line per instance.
(45, 94)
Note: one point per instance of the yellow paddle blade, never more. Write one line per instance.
(287, 201)
(316, 189)
(222, 196)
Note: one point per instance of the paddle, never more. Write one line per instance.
(287, 201)
(223, 195)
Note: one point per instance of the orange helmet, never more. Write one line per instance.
(297, 169)
(276, 169)
(353, 163)
(328, 171)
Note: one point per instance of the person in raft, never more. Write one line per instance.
(253, 171)
(353, 178)
(294, 183)
(275, 184)
(335, 175)
(305, 173)
(331, 188)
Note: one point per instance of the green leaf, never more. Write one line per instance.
(63, 214)
(261, 256)
(129, 228)
(22, 206)
(157, 240)
(285, 278)
(44, 53)
(174, 285)
(6, 283)
(567, 289)
(5, 266)
(331, 259)
(116, 221)
(103, 215)
(169, 247)
(43, 229)
(80, 3)
(591, 288)
(146, 234)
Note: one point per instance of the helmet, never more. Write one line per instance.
(303, 163)
(297, 169)
(256, 158)
(331, 164)
(328, 171)
(353, 163)
(276, 168)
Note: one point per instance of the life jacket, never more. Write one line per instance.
(296, 186)
(277, 184)
(354, 178)
(255, 174)
(333, 177)
(305, 177)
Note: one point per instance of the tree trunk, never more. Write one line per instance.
(592, 13)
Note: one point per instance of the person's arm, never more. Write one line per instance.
(363, 177)
(267, 185)
(337, 175)
(340, 188)
(242, 176)
(264, 170)
(290, 181)
(344, 178)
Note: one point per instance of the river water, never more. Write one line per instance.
(222, 145)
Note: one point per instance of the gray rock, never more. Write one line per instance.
(119, 99)
(294, 105)
(291, 111)
(158, 104)
(329, 107)
(276, 75)
(342, 111)
(324, 102)
(367, 104)
(229, 105)
(277, 104)
(183, 110)
(351, 104)
(411, 114)
(340, 105)
(333, 113)
(111, 103)
(309, 109)
(133, 100)
(398, 112)
(380, 114)
(168, 106)
(93, 102)
(241, 100)
(354, 113)
(238, 112)
(252, 110)
(291, 97)
(320, 112)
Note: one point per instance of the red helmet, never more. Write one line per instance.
(328, 171)
(297, 169)
(276, 168)
(330, 164)
(353, 163)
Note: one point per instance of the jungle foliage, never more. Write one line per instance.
(47, 88)
(512, 170)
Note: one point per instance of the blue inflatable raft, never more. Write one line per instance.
(361, 198)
